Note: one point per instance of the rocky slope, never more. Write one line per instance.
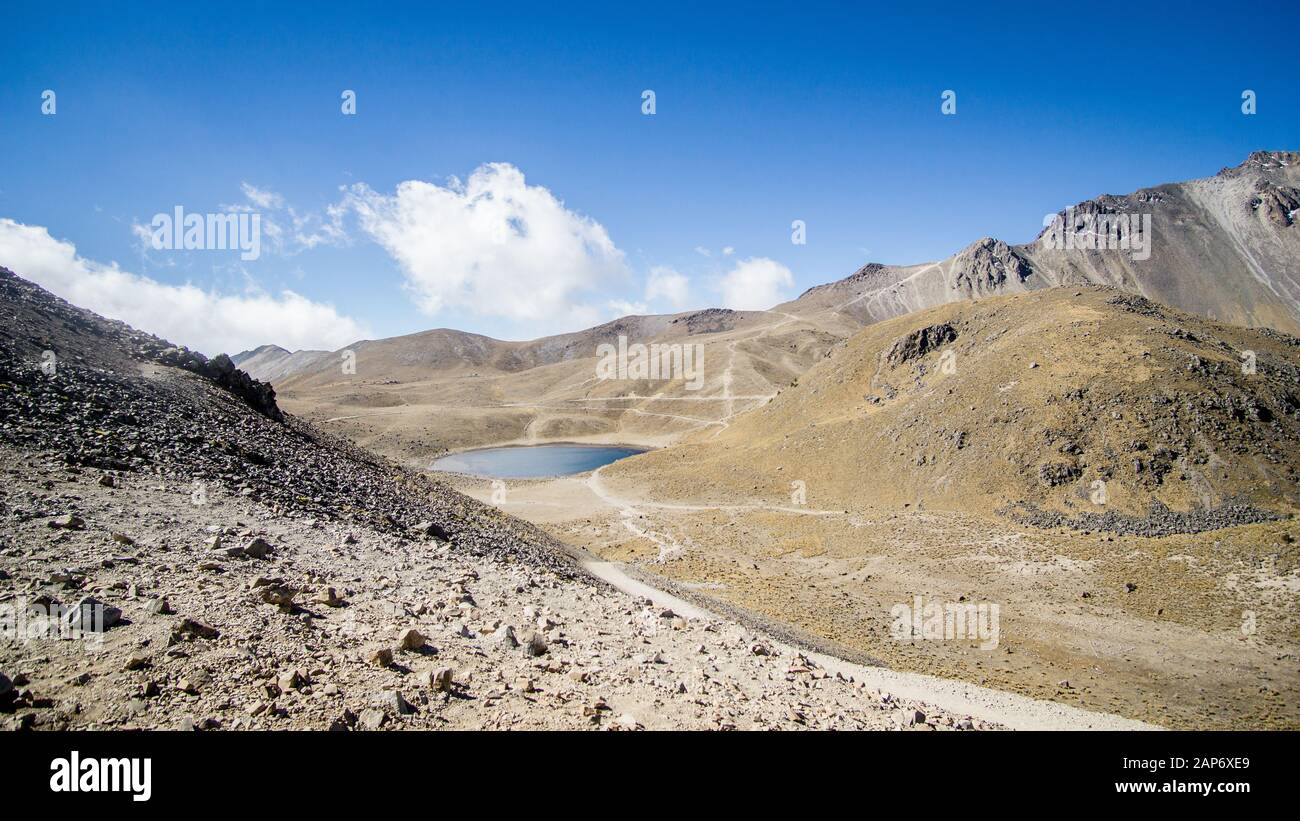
(1225, 247)
(233, 568)
(116, 399)
(1093, 403)
(347, 628)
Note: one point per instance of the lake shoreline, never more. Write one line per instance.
(533, 461)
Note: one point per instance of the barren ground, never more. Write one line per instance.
(1182, 650)
(610, 660)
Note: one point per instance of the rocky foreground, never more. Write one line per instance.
(230, 616)
(177, 553)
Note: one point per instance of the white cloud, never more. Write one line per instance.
(493, 245)
(284, 230)
(261, 197)
(702, 251)
(665, 283)
(622, 307)
(728, 251)
(303, 231)
(755, 284)
(312, 230)
(204, 320)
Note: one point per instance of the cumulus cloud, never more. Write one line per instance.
(755, 284)
(289, 232)
(185, 314)
(666, 284)
(283, 229)
(261, 197)
(622, 307)
(492, 245)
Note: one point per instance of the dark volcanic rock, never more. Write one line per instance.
(919, 343)
(1159, 521)
(708, 321)
(107, 404)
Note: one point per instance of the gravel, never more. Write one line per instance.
(1159, 521)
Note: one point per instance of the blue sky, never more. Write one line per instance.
(826, 113)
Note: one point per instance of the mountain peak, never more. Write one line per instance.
(1264, 161)
(259, 350)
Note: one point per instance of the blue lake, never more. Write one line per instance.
(533, 461)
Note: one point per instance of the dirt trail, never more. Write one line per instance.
(1009, 709)
(588, 496)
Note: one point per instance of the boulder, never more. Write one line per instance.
(411, 639)
(68, 521)
(257, 548)
(373, 719)
(91, 615)
(432, 530)
(393, 701)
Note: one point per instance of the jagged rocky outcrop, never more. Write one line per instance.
(708, 321)
(919, 343)
(987, 266)
(260, 396)
(1226, 247)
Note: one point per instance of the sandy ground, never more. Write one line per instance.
(1218, 652)
(1008, 709)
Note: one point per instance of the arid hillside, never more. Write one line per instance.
(99, 395)
(177, 553)
(414, 397)
(1224, 247)
(1088, 401)
(1100, 466)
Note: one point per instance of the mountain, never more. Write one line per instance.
(413, 397)
(267, 351)
(272, 363)
(1021, 405)
(180, 554)
(443, 350)
(1119, 477)
(1225, 247)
